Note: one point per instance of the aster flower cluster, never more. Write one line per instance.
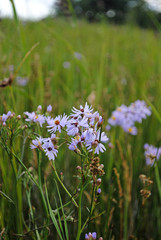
(48, 145)
(4, 117)
(151, 153)
(92, 236)
(83, 128)
(127, 116)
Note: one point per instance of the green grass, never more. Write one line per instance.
(119, 65)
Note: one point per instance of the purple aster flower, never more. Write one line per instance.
(73, 147)
(50, 150)
(91, 236)
(89, 136)
(78, 55)
(94, 235)
(74, 125)
(82, 111)
(131, 129)
(86, 237)
(152, 154)
(99, 191)
(127, 116)
(49, 120)
(40, 119)
(22, 81)
(57, 123)
(66, 65)
(36, 143)
(33, 117)
(4, 117)
(96, 142)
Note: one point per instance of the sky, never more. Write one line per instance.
(26, 9)
(37, 9)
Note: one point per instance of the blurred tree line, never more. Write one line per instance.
(116, 11)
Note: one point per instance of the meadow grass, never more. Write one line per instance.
(118, 65)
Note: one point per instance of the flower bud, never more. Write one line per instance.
(78, 167)
(99, 180)
(4, 124)
(18, 117)
(39, 108)
(49, 108)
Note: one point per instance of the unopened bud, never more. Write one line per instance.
(49, 108)
(78, 167)
(39, 108)
(99, 180)
(102, 165)
(4, 124)
(18, 117)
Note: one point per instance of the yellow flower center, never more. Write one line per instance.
(130, 130)
(77, 138)
(119, 109)
(113, 118)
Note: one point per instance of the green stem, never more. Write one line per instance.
(158, 179)
(18, 159)
(79, 214)
(40, 184)
(53, 166)
(91, 207)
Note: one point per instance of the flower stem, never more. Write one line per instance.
(79, 214)
(56, 174)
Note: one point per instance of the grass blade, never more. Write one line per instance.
(6, 197)
(52, 215)
(65, 222)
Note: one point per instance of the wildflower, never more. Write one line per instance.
(66, 65)
(22, 81)
(127, 116)
(151, 154)
(91, 236)
(36, 143)
(74, 125)
(33, 117)
(78, 55)
(40, 119)
(96, 143)
(4, 117)
(50, 150)
(99, 191)
(49, 108)
(82, 111)
(57, 123)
